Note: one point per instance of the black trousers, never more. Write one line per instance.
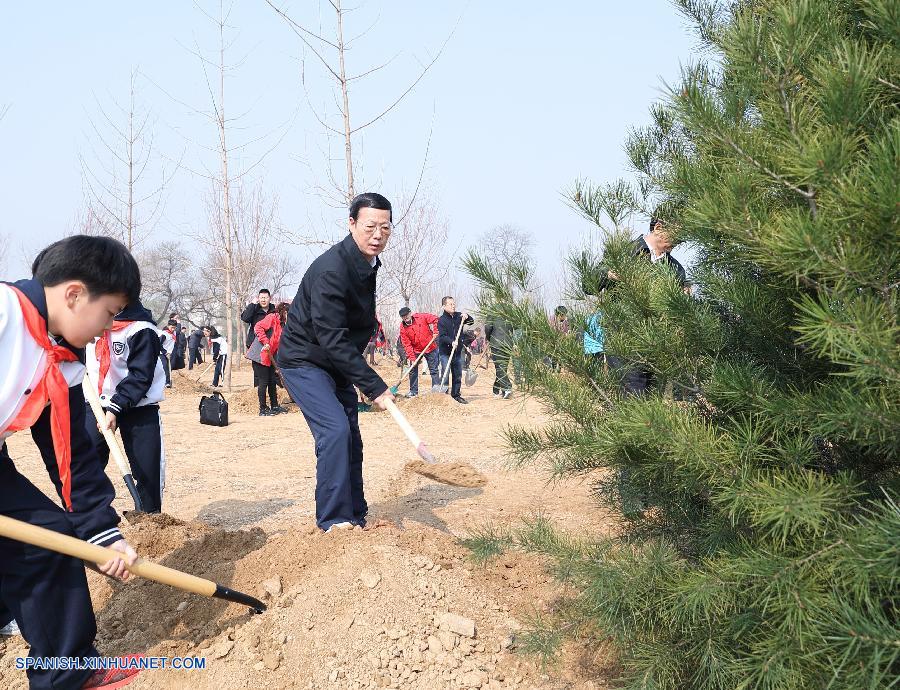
(333, 418)
(455, 366)
(219, 371)
(46, 592)
(264, 378)
(194, 357)
(501, 364)
(165, 362)
(141, 431)
(635, 381)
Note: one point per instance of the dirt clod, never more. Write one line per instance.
(453, 473)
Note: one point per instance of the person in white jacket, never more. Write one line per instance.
(125, 364)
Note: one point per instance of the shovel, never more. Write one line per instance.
(410, 433)
(471, 374)
(443, 387)
(412, 366)
(70, 546)
(209, 366)
(93, 398)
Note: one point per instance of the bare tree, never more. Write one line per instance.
(416, 254)
(509, 250)
(122, 199)
(173, 281)
(229, 256)
(331, 53)
(279, 274)
(254, 259)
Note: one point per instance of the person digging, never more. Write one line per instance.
(417, 333)
(329, 325)
(450, 341)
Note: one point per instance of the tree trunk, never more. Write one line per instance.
(226, 207)
(348, 154)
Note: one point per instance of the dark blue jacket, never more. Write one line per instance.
(448, 326)
(332, 319)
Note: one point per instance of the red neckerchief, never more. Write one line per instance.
(102, 347)
(53, 387)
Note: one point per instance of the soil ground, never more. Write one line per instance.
(353, 609)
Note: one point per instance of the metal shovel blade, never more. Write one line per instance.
(471, 377)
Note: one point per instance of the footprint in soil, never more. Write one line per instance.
(141, 614)
(421, 504)
(235, 514)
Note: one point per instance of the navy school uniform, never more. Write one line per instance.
(220, 357)
(329, 325)
(46, 592)
(131, 387)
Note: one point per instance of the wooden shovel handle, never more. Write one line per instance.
(408, 430)
(93, 398)
(70, 546)
(453, 351)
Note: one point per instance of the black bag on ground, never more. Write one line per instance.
(214, 410)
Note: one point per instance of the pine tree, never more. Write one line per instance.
(764, 548)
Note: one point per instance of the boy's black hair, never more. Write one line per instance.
(103, 264)
(562, 311)
(404, 311)
(654, 222)
(266, 290)
(369, 200)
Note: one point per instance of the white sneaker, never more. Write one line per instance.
(340, 525)
(10, 629)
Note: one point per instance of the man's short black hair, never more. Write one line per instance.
(446, 299)
(369, 200)
(266, 290)
(404, 311)
(103, 264)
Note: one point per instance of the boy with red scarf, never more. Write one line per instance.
(78, 285)
(125, 365)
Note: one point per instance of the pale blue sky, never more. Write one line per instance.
(526, 97)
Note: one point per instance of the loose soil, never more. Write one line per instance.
(453, 473)
(399, 604)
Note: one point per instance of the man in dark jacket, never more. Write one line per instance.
(320, 356)
(449, 332)
(656, 246)
(195, 348)
(498, 335)
(256, 312)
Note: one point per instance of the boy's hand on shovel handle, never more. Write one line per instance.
(117, 567)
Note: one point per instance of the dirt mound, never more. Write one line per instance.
(381, 607)
(453, 473)
(183, 383)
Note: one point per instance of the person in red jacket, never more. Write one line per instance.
(268, 333)
(417, 333)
